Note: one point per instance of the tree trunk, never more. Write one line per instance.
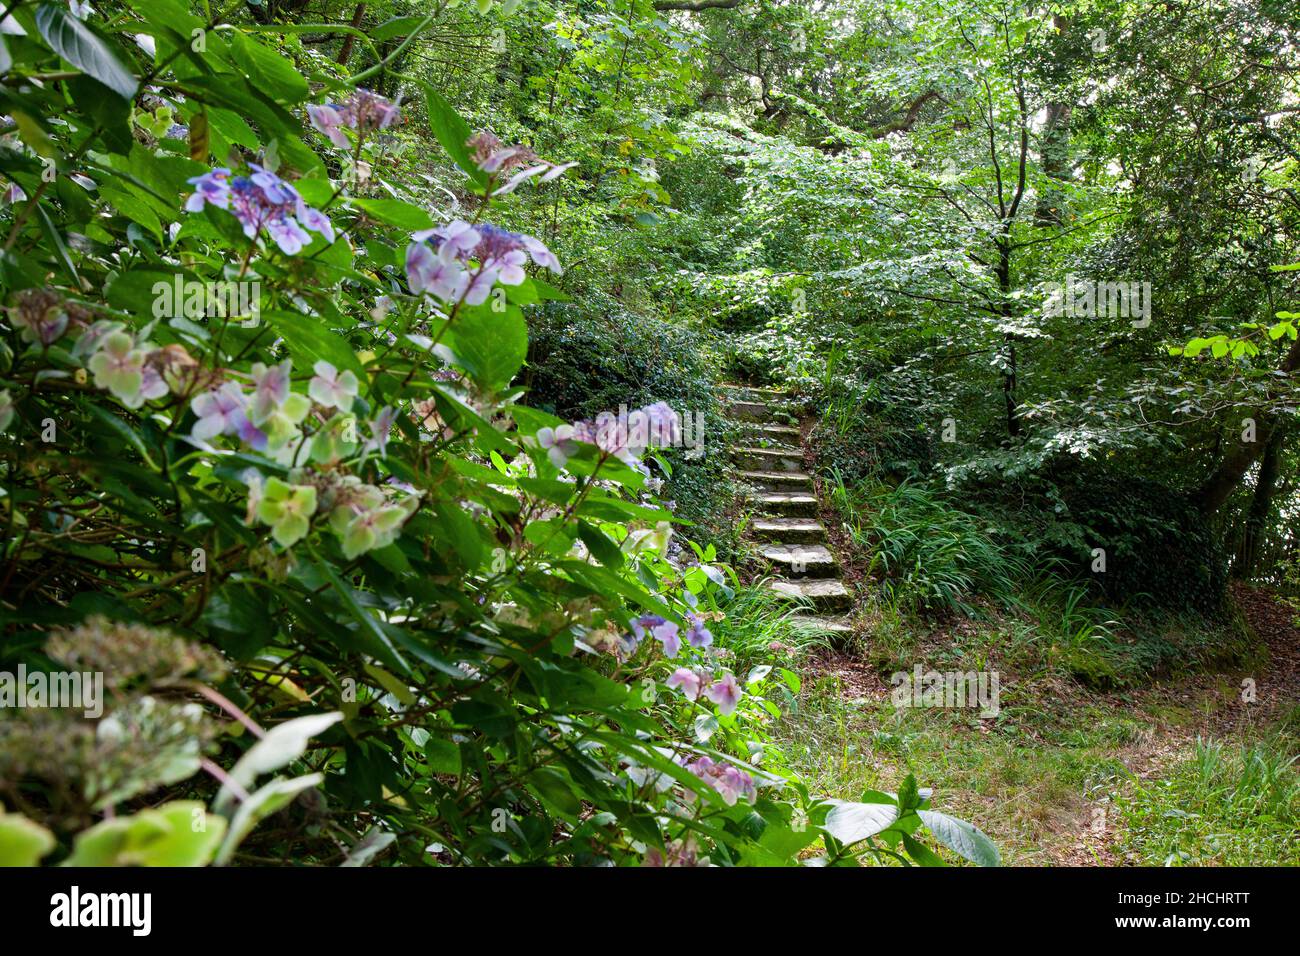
(1009, 374)
(1216, 489)
(1054, 154)
(345, 51)
(1260, 506)
(1055, 158)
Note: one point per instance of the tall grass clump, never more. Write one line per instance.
(929, 554)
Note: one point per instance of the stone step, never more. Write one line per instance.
(746, 411)
(801, 560)
(759, 393)
(777, 480)
(784, 432)
(768, 459)
(791, 530)
(826, 594)
(788, 503)
(779, 438)
(831, 626)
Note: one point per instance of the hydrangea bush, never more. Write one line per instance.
(355, 551)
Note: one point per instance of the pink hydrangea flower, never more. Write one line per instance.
(363, 111)
(331, 388)
(688, 681)
(381, 428)
(270, 389)
(329, 121)
(731, 783)
(493, 157)
(558, 444)
(726, 693)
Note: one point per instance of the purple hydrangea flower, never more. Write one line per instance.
(461, 262)
(261, 201)
(212, 187)
(697, 635)
(662, 630)
(219, 411)
(426, 271)
(224, 411)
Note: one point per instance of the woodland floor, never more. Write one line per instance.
(1049, 779)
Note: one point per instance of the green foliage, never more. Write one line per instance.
(599, 356)
(927, 553)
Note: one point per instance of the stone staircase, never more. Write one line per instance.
(790, 537)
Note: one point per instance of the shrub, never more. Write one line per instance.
(451, 618)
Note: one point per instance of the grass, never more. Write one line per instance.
(756, 620)
(1225, 805)
(1058, 752)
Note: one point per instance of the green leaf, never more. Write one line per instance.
(396, 27)
(180, 833)
(310, 340)
(283, 744)
(460, 531)
(852, 822)
(453, 133)
(129, 435)
(359, 613)
(273, 73)
(921, 853)
(393, 685)
(368, 847)
(22, 842)
(74, 41)
(403, 215)
(491, 346)
(605, 550)
(269, 799)
(964, 839)
(443, 756)
(555, 792)
(94, 99)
